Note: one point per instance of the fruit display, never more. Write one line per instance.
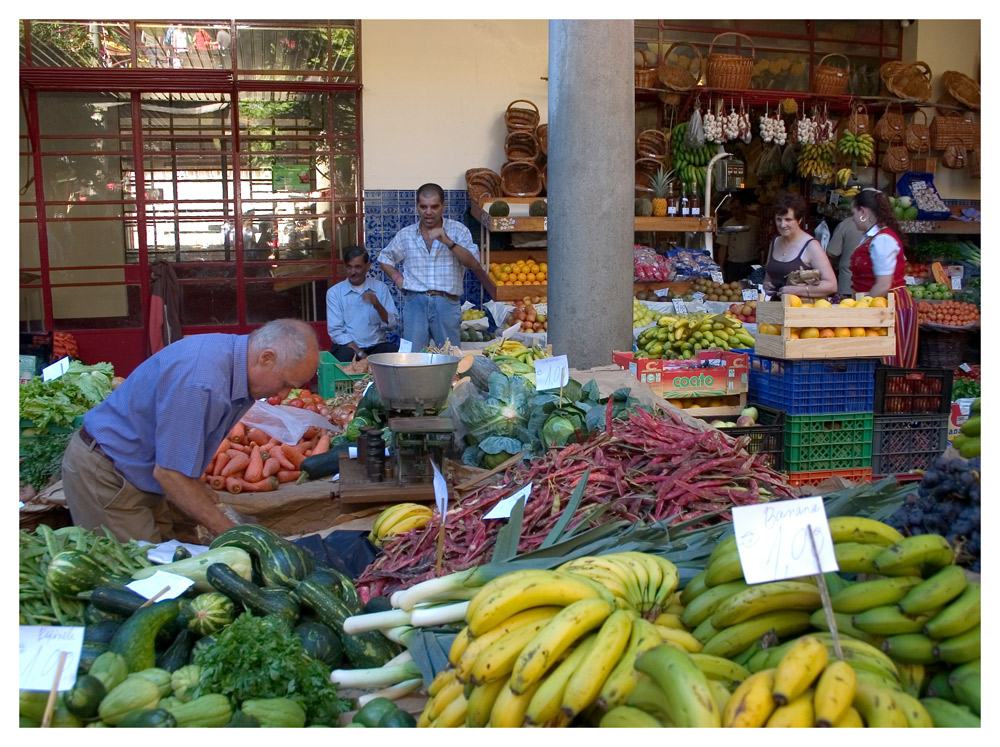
(746, 312)
(748, 417)
(860, 148)
(475, 335)
(918, 270)
(696, 403)
(716, 291)
(948, 313)
(801, 332)
(530, 319)
(931, 291)
(681, 336)
(471, 314)
(816, 161)
(690, 164)
(521, 272)
(642, 315)
(401, 517)
(661, 186)
(903, 208)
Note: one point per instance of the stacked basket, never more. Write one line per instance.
(523, 173)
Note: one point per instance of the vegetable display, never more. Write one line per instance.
(60, 401)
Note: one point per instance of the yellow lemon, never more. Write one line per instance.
(880, 303)
(794, 300)
(867, 300)
(793, 335)
(826, 332)
(871, 333)
(882, 331)
(822, 303)
(809, 333)
(858, 332)
(842, 332)
(847, 302)
(807, 305)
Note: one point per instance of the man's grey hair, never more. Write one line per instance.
(290, 339)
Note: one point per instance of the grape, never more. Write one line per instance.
(974, 567)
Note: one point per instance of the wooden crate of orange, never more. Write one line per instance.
(862, 327)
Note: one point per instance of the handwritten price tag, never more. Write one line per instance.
(39, 648)
(56, 370)
(697, 296)
(440, 490)
(750, 294)
(716, 277)
(551, 373)
(910, 280)
(679, 306)
(405, 346)
(662, 292)
(773, 539)
(151, 586)
(503, 508)
(966, 367)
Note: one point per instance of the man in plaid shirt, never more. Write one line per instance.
(433, 253)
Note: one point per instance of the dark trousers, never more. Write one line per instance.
(736, 270)
(345, 354)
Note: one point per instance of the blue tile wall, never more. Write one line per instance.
(389, 210)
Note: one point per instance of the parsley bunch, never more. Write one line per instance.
(259, 657)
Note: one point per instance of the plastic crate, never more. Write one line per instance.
(903, 443)
(903, 190)
(913, 391)
(798, 479)
(332, 378)
(767, 437)
(813, 387)
(828, 442)
(29, 432)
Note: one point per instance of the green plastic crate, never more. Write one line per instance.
(29, 432)
(332, 378)
(828, 442)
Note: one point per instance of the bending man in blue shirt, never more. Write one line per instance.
(150, 441)
(359, 310)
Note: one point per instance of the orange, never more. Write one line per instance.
(880, 303)
(858, 332)
(793, 335)
(826, 332)
(794, 300)
(506, 268)
(543, 266)
(847, 302)
(882, 331)
(522, 276)
(872, 333)
(809, 333)
(531, 277)
(842, 332)
(867, 301)
(807, 305)
(541, 276)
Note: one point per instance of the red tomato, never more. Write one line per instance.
(311, 408)
(275, 400)
(297, 403)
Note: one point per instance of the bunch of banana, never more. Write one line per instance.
(690, 164)
(681, 337)
(843, 177)
(639, 581)
(397, 519)
(859, 147)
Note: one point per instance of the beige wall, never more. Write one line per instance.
(435, 93)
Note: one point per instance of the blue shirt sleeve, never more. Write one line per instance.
(385, 298)
(336, 327)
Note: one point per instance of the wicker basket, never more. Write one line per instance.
(482, 185)
(651, 144)
(937, 349)
(896, 159)
(829, 80)
(731, 71)
(520, 118)
(890, 128)
(520, 179)
(542, 136)
(645, 170)
(645, 77)
(887, 70)
(962, 88)
(917, 136)
(946, 128)
(669, 99)
(925, 163)
(948, 104)
(955, 155)
(857, 121)
(911, 82)
(521, 145)
(675, 77)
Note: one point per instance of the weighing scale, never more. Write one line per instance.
(414, 387)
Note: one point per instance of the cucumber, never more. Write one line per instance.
(196, 568)
(136, 638)
(325, 464)
(176, 656)
(118, 601)
(84, 698)
(259, 601)
(101, 632)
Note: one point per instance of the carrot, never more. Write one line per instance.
(267, 450)
(236, 485)
(285, 475)
(279, 453)
(237, 464)
(217, 482)
(257, 436)
(311, 432)
(295, 454)
(238, 434)
(220, 463)
(224, 446)
(322, 445)
(271, 467)
(255, 468)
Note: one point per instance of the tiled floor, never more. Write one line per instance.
(389, 210)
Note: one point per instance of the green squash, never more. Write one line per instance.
(210, 613)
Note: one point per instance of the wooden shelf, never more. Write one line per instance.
(699, 225)
(512, 224)
(513, 292)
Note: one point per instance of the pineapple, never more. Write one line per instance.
(661, 183)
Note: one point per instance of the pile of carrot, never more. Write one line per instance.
(249, 460)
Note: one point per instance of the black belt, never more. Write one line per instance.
(439, 293)
(89, 441)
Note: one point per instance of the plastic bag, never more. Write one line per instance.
(695, 135)
(285, 423)
(822, 234)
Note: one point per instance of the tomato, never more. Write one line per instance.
(297, 403)
(311, 408)
(275, 400)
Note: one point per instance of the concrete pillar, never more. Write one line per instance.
(591, 177)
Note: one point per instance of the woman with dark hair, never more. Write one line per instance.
(877, 268)
(794, 249)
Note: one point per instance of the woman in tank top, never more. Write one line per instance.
(794, 249)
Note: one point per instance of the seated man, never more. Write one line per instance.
(358, 311)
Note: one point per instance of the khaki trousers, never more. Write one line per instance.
(97, 494)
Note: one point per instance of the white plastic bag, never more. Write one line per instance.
(695, 135)
(285, 423)
(822, 234)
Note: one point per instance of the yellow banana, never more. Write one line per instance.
(453, 715)
(561, 632)
(607, 566)
(498, 658)
(797, 713)
(798, 669)
(856, 557)
(834, 693)
(680, 638)
(877, 706)
(443, 697)
(491, 588)
(668, 583)
(479, 644)
(481, 701)
(861, 529)
(545, 704)
(406, 525)
(717, 668)
(586, 681)
(752, 702)
(510, 708)
(628, 717)
(913, 710)
(602, 575)
(689, 699)
(720, 692)
(769, 597)
(704, 605)
(622, 679)
(670, 620)
(851, 719)
(458, 647)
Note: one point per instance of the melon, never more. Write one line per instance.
(643, 207)
(499, 209)
(538, 209)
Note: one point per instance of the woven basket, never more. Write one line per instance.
(520, 118)
(521, 145)
(911, 82)
(946, 128)
(955, 155)
(669, 99)
(975, 165)
(962, 88)
(896, 159)
(645, 77)
(829, 80)
(520, 179)
(947, 104)
(676, 78)
(887, 70)
(482, 185)
(857, 121)
(651, 144)
(917, 136)
(645, 170)
(890, 128)
(542, 136)
(941, 349)
(729, 70)
(925, 163)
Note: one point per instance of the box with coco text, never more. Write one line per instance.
(714, 373)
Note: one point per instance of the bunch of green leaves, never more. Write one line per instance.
(41, 458)
(94, 382)
(60, 401)
(501, 412)
(259, 657)
(936, 249)
(966, 389)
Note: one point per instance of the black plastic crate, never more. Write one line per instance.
(767, 437)
(913, 391)
(902, 443)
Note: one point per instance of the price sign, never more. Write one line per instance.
(716, 276)
(697, 296)
(679, 306)
(966, 367)
(773, 539)
(174, 584)
(910, 280)
(39, 649)
(551, 373)
(662, 292)
(164, 552)
(750, 294)
(503, 508)
(405, 346)
(545, 223)
(56, 370)
(367, 388)
(440, 490)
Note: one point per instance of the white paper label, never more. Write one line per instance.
(716, 363)
(956, 282)
(440, 490)
(697, 296)
(405, 346)
(662, 292)
(352, 452)
(56, 370)
(174, 584)
(773, 539)
(966, 367)
(749, 294)
(551, 373)
(545, 223)
(910, 280)
(755, 267)
(716, 276)
(503, 508)
(39, 648)
(370, 383)
(679, 306)
(164, 552)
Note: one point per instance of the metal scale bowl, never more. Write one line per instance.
(414, 387)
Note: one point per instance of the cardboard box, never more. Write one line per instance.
(714, 373)
(960, 412)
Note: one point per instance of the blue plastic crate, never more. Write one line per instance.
(903, 190)
(813, 387)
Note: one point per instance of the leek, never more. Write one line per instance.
(442, 614)
(375, 677)
(376, 621)
(458, 585)
(393, 692)
(400, 635)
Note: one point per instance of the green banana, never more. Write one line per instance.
(844, 627)
(930, 549)
(937, 591)
(947, 715)
(968, 693)
(961, 615)
(647, 696)
(733, 640)
(939, 687)
(888, 620)
(856, 557)
(769, 597)
(725, 569)
(704, 631)
(628, 717)
(866, 595)
(724, 546)
(913, 710)
(910, 647)
(961, 648)
(835, 583)
(717, 668)
(690, 703)
(704, 605)
(912, 677)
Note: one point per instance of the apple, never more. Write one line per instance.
(750, 412)
(718, 424)
(743, 421)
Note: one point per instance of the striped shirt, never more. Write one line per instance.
(174, 409)
(350, 319)
(437, 269)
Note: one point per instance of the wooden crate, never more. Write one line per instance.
(786, 316)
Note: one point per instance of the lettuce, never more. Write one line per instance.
(501, 412)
